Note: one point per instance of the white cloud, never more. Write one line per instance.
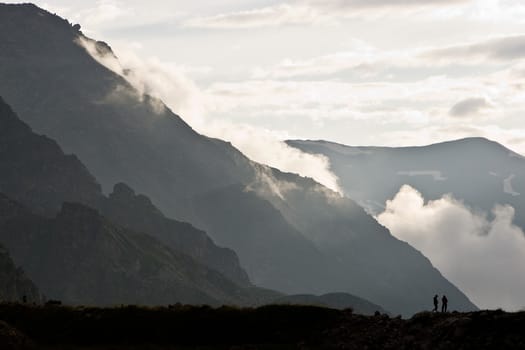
(469, 106)
(266, 16)
(266, 147)
(502, 49)
(104, 12)
(484, 257)
(168, 83)
(316, 12)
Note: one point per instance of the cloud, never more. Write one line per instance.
(167, 83)
(501, 49)
(260, 17)
(364, 61)
(483, 256)
(313, 12)
(104, 12)
(356, 4)
(266, 147)
(469, 106)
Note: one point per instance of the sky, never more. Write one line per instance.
(358, 72)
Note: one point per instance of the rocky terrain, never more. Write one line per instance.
(270, 327)
(440, 331)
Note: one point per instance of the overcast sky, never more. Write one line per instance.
(359, 72)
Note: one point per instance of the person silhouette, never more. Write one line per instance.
(435, 303)
(444, 303)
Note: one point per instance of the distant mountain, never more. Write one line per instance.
(14, 284)
(290, 233)
(80, 256)
(338, 301)
(480, 172)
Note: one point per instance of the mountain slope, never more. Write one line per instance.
(136, 212)
(35, 172)
(82, 258)
(305, 241)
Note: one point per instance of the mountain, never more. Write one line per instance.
(478, 171)
(290, 233)
(82, 258)
(34, 171)
(79, 256)
(136, 212)
(340, 301)
(14, 284)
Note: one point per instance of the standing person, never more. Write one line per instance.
(444, 303)
(435, 303)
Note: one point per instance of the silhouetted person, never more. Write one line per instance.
(444, 303)
(435, 303)
(24, 299)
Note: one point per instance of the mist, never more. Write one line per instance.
(169, 84)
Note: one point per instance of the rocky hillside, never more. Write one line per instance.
(80, 257)
(14, 284)
(136, 212)
(475, 330)
(36, 173)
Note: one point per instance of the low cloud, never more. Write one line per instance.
(169, 84)
(483, 256)
(469, 106)
(266, 147)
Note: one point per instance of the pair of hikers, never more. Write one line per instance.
(444, 303)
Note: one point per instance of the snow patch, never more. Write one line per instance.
(436, 174)
(507, 186)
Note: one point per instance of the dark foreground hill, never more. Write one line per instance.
(339, 301)
(269, 327)
(291, 234)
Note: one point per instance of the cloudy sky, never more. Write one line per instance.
(359, 72)
(484, 257)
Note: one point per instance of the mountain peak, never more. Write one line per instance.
(122, 190)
